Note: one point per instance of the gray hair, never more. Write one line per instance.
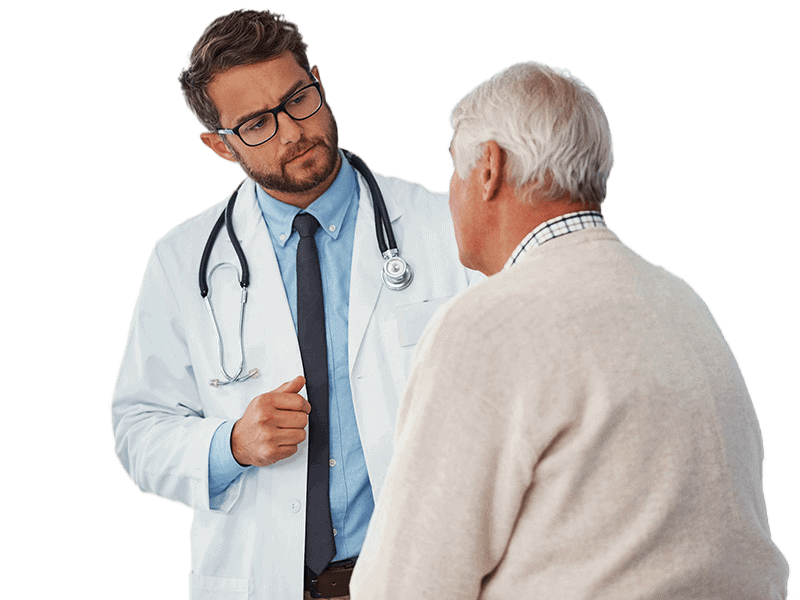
(549, 123)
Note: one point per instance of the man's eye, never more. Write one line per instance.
(257, 124)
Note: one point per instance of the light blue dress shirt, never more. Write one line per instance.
(350, 489)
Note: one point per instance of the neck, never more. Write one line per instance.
(518, 219)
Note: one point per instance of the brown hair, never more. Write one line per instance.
(243, 37)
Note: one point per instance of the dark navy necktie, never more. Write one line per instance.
(320, 545)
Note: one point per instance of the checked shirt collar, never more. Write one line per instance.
(554, 228)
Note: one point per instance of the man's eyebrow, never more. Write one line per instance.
(292, 90)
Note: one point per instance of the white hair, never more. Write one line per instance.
(550, 125)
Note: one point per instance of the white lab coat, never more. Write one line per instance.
(250, 543)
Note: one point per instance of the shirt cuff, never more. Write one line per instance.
(222, 466)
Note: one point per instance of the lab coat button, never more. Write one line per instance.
(294, 506)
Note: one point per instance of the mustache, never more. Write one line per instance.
(301, 147)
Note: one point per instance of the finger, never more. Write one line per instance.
(278, 453)
(285, 437)
(285, 452)
(293, 386)
(289, 401)
(290, 419)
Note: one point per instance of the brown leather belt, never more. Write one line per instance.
(333, 581)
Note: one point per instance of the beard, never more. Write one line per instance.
(280, 180)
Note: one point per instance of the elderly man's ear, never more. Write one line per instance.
(491, 170)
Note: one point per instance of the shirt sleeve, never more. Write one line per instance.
(223, 469)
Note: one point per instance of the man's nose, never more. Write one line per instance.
(289, 130)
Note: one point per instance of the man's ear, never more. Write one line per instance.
(492, 169)
(315, 73)
(215, 142)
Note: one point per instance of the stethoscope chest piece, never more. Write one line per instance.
(396, 273)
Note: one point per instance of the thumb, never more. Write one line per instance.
(293, 386)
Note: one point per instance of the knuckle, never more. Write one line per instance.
(268, 415)
(258, 402)
(265, 401)
(268, 454)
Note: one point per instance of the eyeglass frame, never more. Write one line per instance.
(275, 112)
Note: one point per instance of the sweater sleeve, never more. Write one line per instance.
(455, 484)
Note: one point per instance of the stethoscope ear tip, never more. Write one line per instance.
(251, 374)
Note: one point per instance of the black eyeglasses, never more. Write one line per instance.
(257, 130)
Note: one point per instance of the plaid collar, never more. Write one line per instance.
(554, 228)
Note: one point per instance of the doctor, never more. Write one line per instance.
(238, 453)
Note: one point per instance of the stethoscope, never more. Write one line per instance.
(396, 272)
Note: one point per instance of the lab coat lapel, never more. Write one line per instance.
(267, 301)
(366, 284)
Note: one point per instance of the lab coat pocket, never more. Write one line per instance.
(206, 587)
(411, 320)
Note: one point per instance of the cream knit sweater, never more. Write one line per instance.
(575, 427)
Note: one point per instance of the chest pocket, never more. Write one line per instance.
(411, 321)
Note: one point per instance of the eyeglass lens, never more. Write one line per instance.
(300, 106)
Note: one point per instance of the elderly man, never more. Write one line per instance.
(282, 481)
(574, 427)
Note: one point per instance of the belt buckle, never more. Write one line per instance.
(333, 582)
(312, 589)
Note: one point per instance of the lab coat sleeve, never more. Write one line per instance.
(443, 521)
(162, 435)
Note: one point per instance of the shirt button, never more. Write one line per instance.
(332, 228)
(332, 462)
(334, 533)
(294, 506)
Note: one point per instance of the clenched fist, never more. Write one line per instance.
(272, 426)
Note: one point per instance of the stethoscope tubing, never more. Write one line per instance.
(382, 221)
(225, 218)
(397, 275)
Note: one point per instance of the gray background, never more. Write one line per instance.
(101, 158)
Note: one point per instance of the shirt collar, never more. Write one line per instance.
(329, 209)
(556, 227)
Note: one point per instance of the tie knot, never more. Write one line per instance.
(305, 224)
